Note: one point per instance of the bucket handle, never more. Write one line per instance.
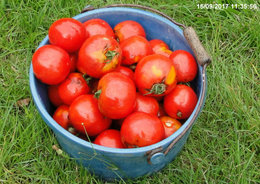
(189, 33)
(201, 55)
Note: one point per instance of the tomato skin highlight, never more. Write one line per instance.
(134, 49)
(146, 104)
(109, 138)
(160, 47)
(98, 27)
(68, 34)
(170, 125)
(140, 129)
(61, 116)
(54, 96)
(127, 29)
(180, 103)
(99, 54)
(51, 64)
(185, 65)
(72, 87)
(155, 70)
(85, 116)
(118, 95)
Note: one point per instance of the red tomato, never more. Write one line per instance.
(72, 87)
(61, 116)
(155, 75)
(146, 104)
(128, 28)
(141, 129)
(134, 49)
(51, 64)
(98, 26)
(54, 96)
(161, 111)
(68, 34)
(126, 71)
(85, 116)
(109, 138)
(160, 47)
(181, 102)
(73, 62)
(170, 125)
(99, 55)
(185, 65)
(116, 95)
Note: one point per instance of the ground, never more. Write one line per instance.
(223, 146)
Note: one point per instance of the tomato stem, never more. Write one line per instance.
(98, 93)
(157, 89)
(110, 54)
(87, 78)
(179, 114)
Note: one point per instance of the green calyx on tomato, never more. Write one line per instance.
(98, 93)
(110, 54)
(157, 89)
(87, 78)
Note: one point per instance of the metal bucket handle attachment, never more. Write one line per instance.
(156, 155)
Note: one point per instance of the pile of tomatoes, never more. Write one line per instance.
(113, 87)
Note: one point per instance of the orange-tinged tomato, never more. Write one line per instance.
(160, 47)
(155, 75)
(99, 54)
(127, 29)
(170, 125)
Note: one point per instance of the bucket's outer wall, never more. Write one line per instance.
(116, 163)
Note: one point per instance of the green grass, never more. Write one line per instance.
(223, 146)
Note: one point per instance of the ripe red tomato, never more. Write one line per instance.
(126, 71)
(61, 116)
(109, 138)
(73, 61)
(155, 75)
(72, 87)
(185, 65)
(161, 111)
(99, 55)
(146, 104)
(54, 96)
(128, 28)
(181, 102)
(140, 129)
(68, 34)
(86, 117)
(98, 26)
(51, 64)
(160, 47)
(116, 95)
(171, 125)
(134, 49)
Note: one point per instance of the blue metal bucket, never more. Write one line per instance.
(112, 163)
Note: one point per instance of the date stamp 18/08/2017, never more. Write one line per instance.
(226, 6)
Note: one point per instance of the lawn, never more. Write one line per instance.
(223, 146)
